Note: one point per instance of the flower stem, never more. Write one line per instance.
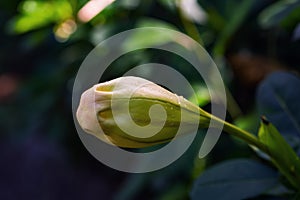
(239, 133)
(287, 163)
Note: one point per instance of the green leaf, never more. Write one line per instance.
(36, 14)
(149, 38)
(278, 99)
(279, 13)
(235, 179)
(281, 153)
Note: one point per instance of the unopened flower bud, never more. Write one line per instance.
(133, 112)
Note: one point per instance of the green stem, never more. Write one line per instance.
(239, 133)
(252, 140)
(245, 136)
(190, 28)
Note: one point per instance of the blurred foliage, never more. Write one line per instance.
(222, 180)
(36, 14)
(42, 46)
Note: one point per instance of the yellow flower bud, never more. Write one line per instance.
(133, 112)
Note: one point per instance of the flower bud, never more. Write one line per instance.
(133, 112)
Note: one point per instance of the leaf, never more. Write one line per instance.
(281, 153)
(142, 38)
(278, 99)
(235, 179)
(241, 12)
(278, 13)
(36, 14)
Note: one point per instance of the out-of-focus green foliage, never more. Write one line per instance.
(278, 99)
(36, 14)
(282, 13)
(234, 179)
(231, 25)
(282, 154)
(153, 38)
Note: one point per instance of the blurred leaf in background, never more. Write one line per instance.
(278, 100)
(234, 179)
(35, 14)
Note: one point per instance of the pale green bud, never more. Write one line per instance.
(133, 112)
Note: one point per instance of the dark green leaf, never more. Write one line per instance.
(281, 153)
(278, 99)
(236, 179)
(276, 13)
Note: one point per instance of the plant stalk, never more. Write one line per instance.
(239, 133)
(252, 140)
